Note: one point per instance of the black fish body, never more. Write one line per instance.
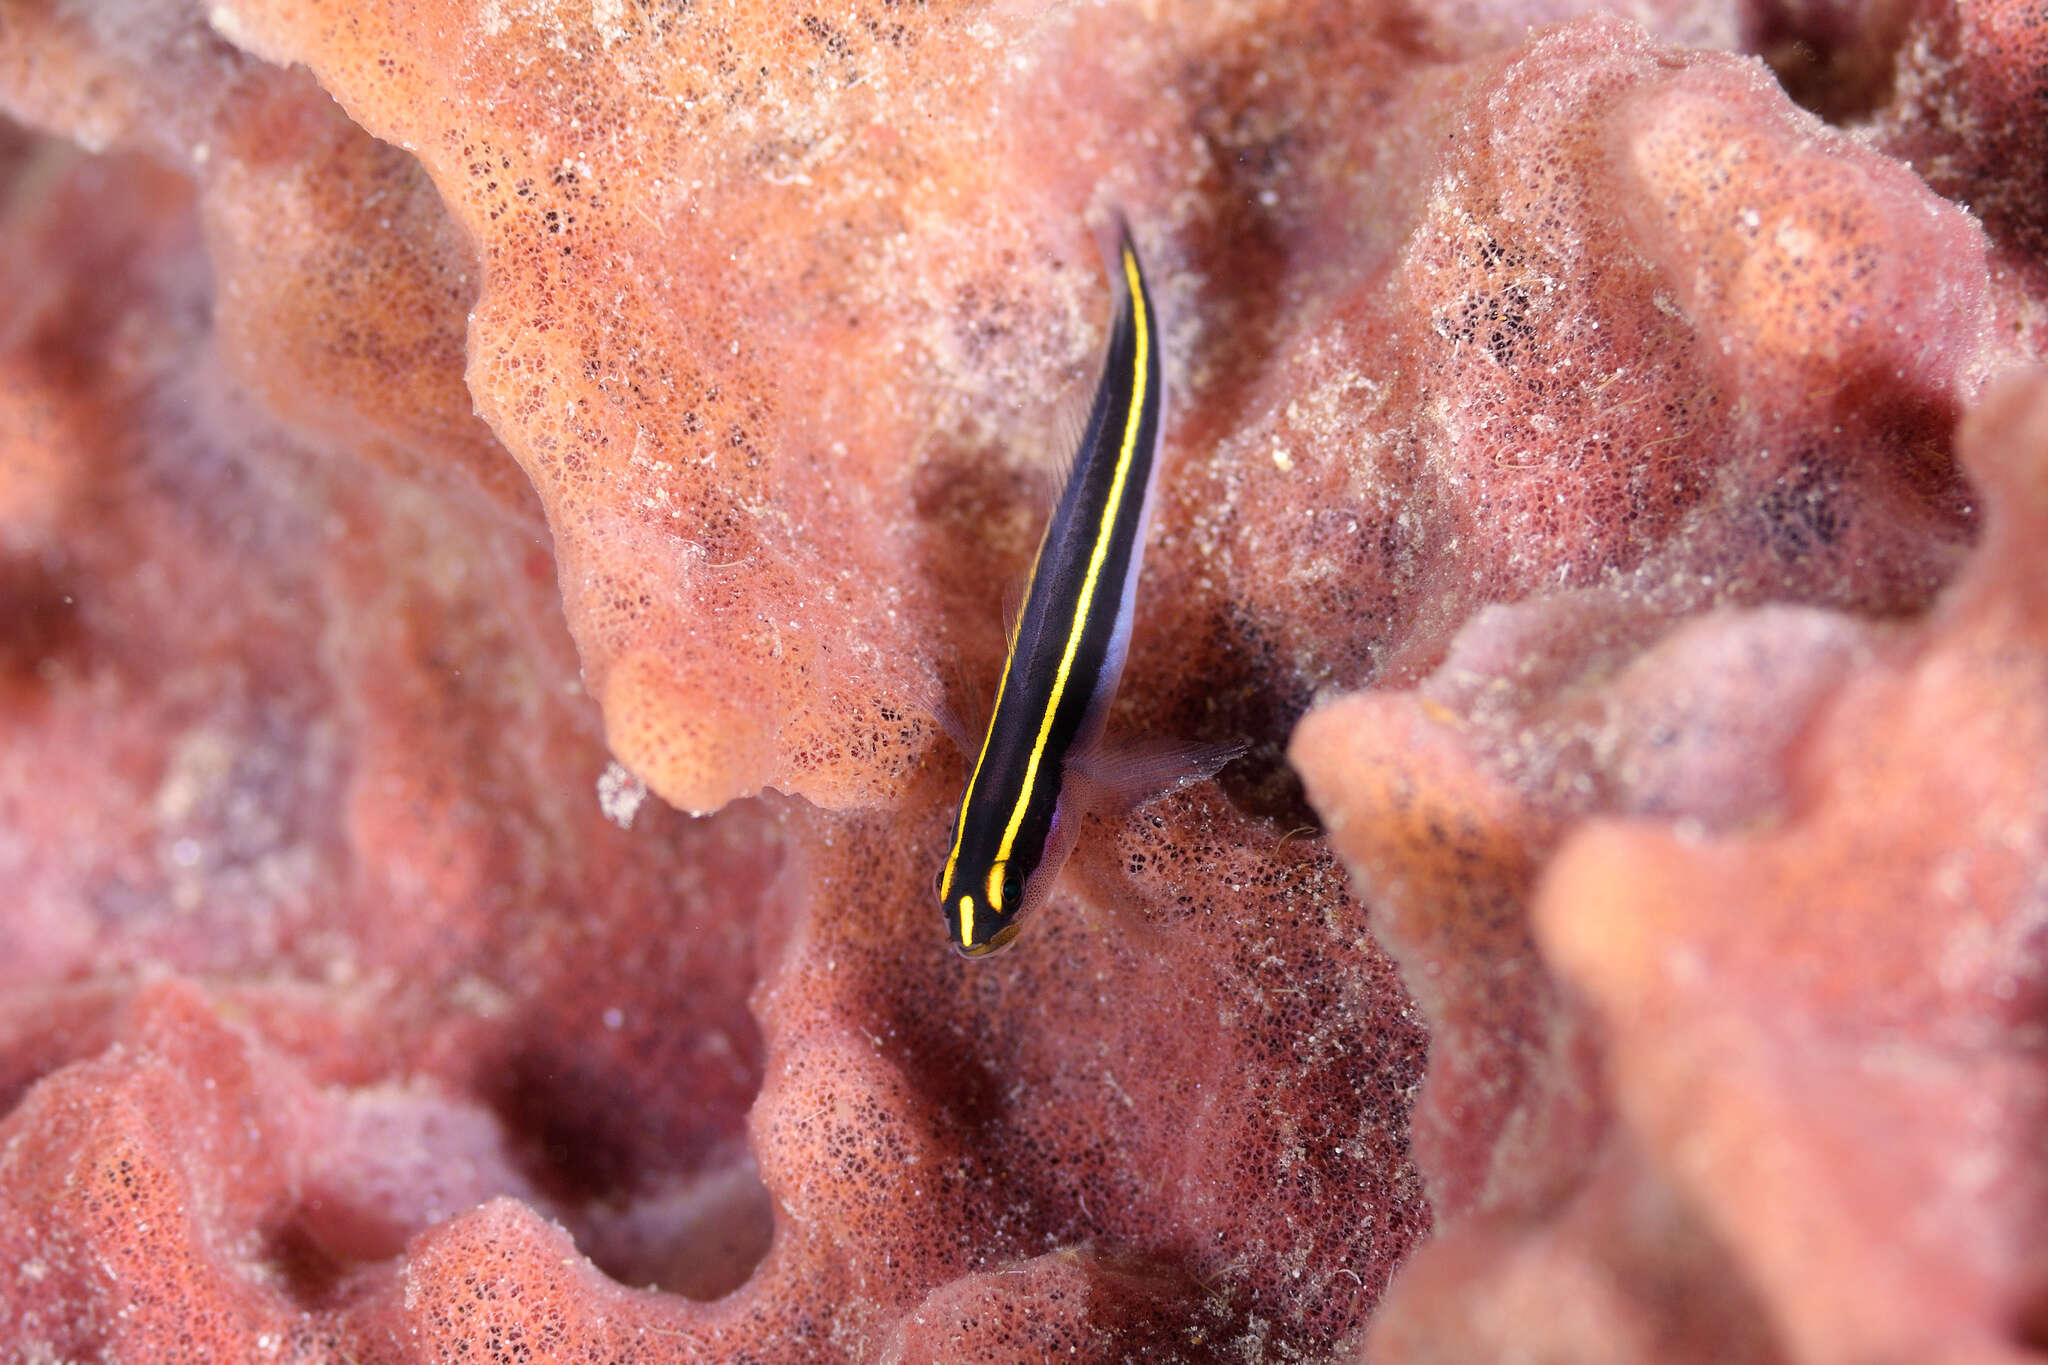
(1018, 815)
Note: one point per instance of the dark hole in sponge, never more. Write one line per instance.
(657, 1189)
(310, 1273)
(1246, 695)
(42, 623)
(2030, 1324)
(697, 1234)
(623, 1083)
(1264, 785)
(577, 1122)
(1840, 69)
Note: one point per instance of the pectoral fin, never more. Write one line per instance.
(1125, 777)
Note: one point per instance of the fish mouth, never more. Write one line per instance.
(994, 943)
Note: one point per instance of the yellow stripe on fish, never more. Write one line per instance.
(1017, 819)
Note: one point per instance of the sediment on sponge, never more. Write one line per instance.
(1590, 489)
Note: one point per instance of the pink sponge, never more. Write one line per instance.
(408, 410)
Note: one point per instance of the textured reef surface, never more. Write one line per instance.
(490, 494)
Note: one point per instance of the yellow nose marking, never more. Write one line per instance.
(967, 921)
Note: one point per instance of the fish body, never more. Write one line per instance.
(1019, 814)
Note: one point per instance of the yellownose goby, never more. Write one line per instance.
(1018, 817)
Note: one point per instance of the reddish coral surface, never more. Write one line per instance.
(405, 410)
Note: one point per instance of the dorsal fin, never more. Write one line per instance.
(1067, 424)
(1112, 234)
(928, 694)
(1014, 593)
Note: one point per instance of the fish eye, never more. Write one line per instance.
(1013, 891)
